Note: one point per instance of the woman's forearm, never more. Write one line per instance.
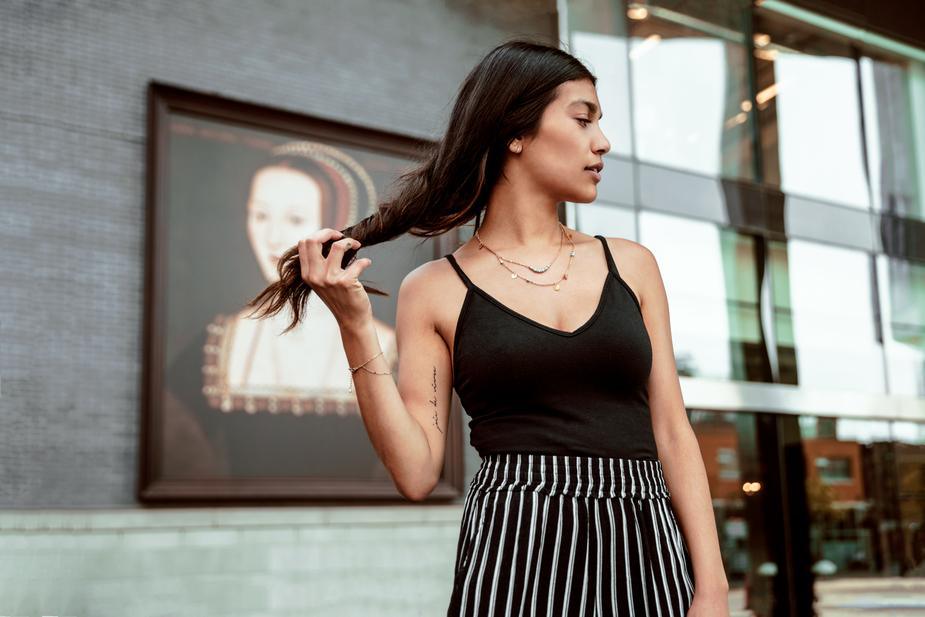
(396, 436)
(682, 465)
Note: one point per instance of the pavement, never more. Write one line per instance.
(884, 597)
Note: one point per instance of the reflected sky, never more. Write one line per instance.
(679, 88)
(817, 124)
(833, 318)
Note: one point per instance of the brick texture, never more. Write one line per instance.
(72, 139)
(72, 147)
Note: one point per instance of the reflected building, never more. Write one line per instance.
(773, 159)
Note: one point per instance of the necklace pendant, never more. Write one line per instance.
(572, 254)
(565, 275)
(539, 270)
(556, 287)
(513, 275)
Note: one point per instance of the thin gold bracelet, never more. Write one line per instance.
(363, 366)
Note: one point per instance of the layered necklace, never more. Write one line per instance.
(563, 234)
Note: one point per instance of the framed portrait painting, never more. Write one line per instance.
(233, 410)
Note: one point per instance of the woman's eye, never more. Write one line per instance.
(585, 120)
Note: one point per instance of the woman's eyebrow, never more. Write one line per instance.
(591, 106)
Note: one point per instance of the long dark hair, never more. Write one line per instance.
(502, 98)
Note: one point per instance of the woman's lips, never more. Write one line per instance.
(597, 176)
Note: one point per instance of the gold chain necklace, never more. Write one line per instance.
(533, 268)
(514, 275)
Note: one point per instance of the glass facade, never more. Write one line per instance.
(775, 165)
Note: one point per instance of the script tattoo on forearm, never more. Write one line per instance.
(433, 401)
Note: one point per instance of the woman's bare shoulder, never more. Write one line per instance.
(429, 285)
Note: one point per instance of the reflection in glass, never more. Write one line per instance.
(902, 302)
(711, 279)
(834, 327)
(895, 129)
(841, 130)
(842, 534)
(864, 484)
(867, 506)
(781, 314)
(605, 220)
(809, 112)
(722, 450)
(690, 101)
(909, 440)
(606, 56)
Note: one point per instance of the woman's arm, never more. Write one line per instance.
(678, 449)
(406, 422)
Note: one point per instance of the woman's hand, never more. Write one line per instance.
(339, 288)
(714, 604)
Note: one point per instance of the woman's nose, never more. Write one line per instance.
(274, 234)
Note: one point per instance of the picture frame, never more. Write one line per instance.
(232, 411)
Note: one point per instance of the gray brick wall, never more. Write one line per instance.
(73, 78)
(72, 138)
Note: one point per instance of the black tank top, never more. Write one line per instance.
(531, 388)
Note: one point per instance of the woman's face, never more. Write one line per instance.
(284, 206)
(569, 138)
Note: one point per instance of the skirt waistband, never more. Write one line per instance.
(571, 475)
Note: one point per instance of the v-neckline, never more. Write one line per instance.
(587, 324)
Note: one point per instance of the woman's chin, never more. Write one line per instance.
(586, 197)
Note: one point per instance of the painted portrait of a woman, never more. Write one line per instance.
(240, 383)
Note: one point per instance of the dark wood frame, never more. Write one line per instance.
(162, 100)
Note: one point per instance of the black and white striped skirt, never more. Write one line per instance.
(546, 534)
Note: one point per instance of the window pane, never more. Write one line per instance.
(910, 474)
(809, 112)
(902, 302)
(605, 220)
(833, 318)
(721, 436)
(890, 127)
(709, 277)
(865, 493)
(843, 541)
(605, 55)
(690, 94)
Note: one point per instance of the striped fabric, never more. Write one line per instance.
(546, 534)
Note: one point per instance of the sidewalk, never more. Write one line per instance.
(884, 597)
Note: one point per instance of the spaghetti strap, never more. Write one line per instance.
(610, 262)
(459, 271)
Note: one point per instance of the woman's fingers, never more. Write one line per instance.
(356, 268)
(336, 256)
(337, 287)
(311, 261)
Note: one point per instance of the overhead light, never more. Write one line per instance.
(750, 488)
(637, 12)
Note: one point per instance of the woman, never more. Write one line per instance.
(571, 385)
